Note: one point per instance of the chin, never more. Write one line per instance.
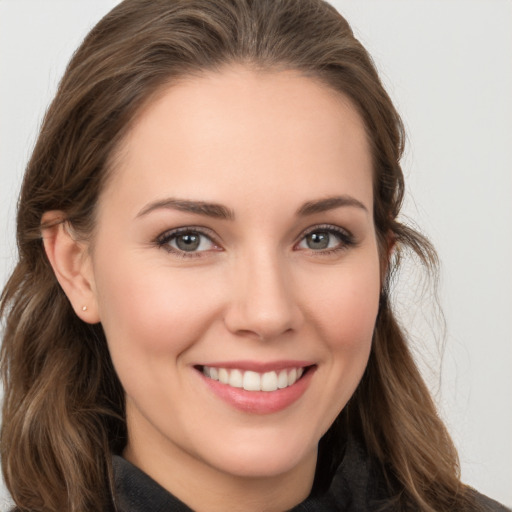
(263, 459)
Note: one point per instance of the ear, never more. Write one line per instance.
(71, 262)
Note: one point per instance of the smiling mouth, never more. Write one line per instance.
(254, 381)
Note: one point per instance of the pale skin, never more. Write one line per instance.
(283, 266)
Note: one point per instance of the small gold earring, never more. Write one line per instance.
(84, 308)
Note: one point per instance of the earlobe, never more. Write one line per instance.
(71, 264)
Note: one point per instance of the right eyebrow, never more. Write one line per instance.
(215, 210)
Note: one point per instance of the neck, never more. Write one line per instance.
(207, 489)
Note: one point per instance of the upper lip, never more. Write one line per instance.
(259, 366)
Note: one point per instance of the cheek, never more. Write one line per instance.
(345, 316)
(348, 310)
(149, 312)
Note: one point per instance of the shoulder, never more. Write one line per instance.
(359, 484)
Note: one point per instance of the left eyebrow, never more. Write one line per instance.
(329, 203)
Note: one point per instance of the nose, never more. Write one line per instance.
(263, 303)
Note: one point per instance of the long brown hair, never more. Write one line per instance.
(63, 411)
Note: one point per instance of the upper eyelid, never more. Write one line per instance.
(326, 227)
(318, 227)
(188, 229)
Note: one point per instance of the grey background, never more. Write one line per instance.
(448, 66)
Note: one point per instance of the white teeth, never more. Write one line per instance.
(282, 379)
(223, 376)
(254, 381)
(269, 381)
(236, 378)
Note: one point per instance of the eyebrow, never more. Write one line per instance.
(214, 210)
(329, 203)
(218, 211)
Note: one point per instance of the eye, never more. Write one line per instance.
(326, 238)
(186, 241)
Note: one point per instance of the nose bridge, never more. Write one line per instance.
(263, 301)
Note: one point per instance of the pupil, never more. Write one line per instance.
(188, 242)
(318, 240)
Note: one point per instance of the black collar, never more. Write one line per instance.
(352, 489)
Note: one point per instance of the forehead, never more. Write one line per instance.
(245, 129)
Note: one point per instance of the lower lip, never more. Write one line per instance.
(260, 402)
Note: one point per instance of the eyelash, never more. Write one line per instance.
(163, 241)
(346, 240)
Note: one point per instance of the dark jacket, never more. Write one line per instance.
(356, 486)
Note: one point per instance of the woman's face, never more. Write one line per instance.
(235, 252)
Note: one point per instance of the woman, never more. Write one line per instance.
(199, 317)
